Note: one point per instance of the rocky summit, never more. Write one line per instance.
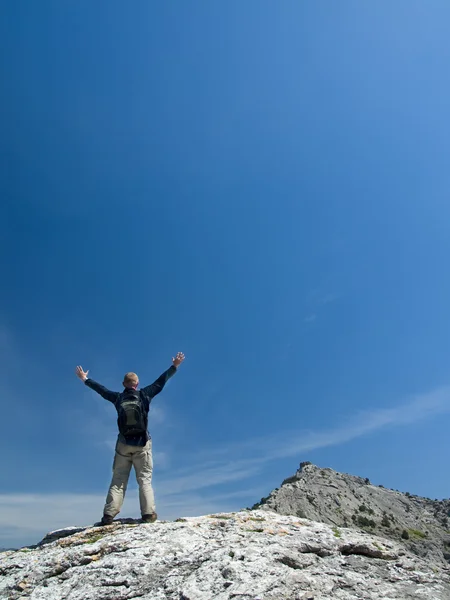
(341, 500)
(248, 555)
(322, 535)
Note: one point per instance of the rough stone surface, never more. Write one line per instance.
(347, 501)
(249, 555)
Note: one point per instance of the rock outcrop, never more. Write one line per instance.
(324, 495)
(249, 555)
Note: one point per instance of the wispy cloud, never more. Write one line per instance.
(162, 459)
(20, 526)
(225, 465)
(210, 474)
(316, 301)
(328, 298)
(25, 518)
(157, 414)
(310, 318)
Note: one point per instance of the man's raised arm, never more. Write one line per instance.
(157, 386)
(100, 389)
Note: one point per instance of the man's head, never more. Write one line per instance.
(130, 380)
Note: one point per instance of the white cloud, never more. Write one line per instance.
(162, 459)
(26, 518)
(225, 465)
(201, 476)
(157, 414)
(310, 318)
(328, 298)
(316, 300)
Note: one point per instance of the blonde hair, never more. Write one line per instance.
(130, 379)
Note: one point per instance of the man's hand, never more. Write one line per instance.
(83, 375)
(178, 359)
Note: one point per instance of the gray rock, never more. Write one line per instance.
(348, 501)
(249, 555)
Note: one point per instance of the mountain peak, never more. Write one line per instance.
(343, 500)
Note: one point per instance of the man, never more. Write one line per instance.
(134, 444)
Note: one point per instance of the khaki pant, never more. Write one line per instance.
(141, 458)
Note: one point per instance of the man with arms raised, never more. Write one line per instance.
(134, 444)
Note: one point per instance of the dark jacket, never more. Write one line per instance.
(146, 394)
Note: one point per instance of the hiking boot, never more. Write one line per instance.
(150, 518)
(107, 520)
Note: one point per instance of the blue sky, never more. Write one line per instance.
(262, 185)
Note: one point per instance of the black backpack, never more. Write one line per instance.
(132, 420)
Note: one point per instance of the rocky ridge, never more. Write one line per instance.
(342, 500)
(249, 555)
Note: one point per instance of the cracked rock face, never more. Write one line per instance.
(421, 524)
(249, 555)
